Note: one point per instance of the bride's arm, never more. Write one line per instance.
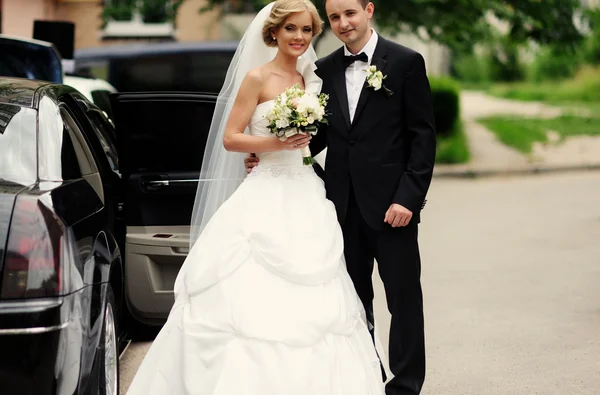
(245, 103)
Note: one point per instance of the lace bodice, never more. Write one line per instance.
(258, 127)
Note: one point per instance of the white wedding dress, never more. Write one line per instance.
(264, 305)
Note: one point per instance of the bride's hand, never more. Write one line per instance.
(249, 162)
(295, 142)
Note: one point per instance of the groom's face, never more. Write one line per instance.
(350, 21)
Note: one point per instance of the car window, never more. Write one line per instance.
(18, 162)
(196, 72)
(101, 98)
(29, 60)
(105, 133)
(71, 151)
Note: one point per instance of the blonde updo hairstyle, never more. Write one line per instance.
(281, 10)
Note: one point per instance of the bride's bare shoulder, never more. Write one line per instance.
(257, 75)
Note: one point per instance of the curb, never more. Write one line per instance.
(533, 170)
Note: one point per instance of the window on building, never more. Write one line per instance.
(139, 18)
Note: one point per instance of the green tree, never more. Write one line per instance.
(462, 23)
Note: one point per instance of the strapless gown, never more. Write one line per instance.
(264, 305)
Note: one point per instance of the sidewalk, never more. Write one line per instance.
(491, 157)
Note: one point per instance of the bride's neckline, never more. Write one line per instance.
(272, 100)
(265, 102)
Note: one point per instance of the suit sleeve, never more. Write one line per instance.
(319, 141)
(419, 122)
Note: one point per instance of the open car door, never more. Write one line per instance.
(161, 139)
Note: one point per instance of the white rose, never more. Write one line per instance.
(376, 83)
(282, 123)
(308, 103)
(310, 120)
(319, 113)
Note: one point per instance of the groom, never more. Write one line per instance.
(380, 156)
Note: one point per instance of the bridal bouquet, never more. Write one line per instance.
(298, 112)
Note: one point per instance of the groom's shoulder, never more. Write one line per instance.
(325, 61)
(401, 50)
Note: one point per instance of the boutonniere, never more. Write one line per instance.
(375, 80)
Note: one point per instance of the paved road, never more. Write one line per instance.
(511, 276)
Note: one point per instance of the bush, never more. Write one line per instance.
(122, 11)
(469, 68)
(551, 64)
(583, 87)
(445, 94)
(591, 47)
(454, 148)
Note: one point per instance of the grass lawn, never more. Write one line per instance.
(592, 106)
(520, 133)
(582, 91)
(579, 93)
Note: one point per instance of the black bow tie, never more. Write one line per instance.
(348, 60)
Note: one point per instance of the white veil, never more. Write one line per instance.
(222, 171)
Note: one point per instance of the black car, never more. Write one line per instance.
(61, 271)
(159, 67)
(161, 137)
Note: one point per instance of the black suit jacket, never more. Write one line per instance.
(387, 153)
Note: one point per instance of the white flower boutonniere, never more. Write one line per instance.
(375, 80)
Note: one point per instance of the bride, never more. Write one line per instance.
(263, 302)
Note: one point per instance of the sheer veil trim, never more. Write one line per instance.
(222, 171)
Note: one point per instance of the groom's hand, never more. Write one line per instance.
(398, 216)
(250, 161)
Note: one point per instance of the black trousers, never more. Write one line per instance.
(397, 253)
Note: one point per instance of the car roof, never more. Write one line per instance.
(28, 40)
(134, 50)
(88, 85)
(18, 91)
(25, 93)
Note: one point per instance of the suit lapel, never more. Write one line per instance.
(339, 84)
(379, 62)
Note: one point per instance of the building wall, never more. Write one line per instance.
(86, 16)
(18, 17)
(193, 26)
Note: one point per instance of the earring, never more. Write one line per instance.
(274, 38)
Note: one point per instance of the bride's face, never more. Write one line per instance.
(295, 34)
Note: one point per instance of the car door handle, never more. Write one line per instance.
(155, 185)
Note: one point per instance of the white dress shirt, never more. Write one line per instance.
(356, 73)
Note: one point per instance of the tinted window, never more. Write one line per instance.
(18, 144)
(29, 60)
(102, 100)
(71, 167)
(105, 133)
(192, 71)
(163, 135)
(58, 147)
